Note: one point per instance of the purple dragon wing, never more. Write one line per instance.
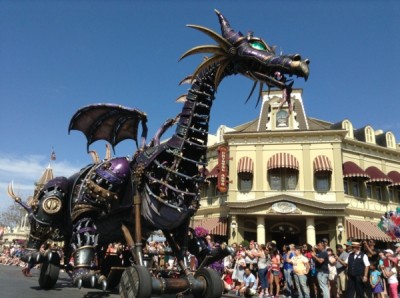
(110, 122)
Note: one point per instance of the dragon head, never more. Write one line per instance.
(247, 55)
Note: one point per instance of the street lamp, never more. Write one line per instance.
(233, 227)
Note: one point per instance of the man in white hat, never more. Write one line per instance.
(357, 271)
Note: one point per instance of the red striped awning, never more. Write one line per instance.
(213, 174)
(245, 165)
(377, 175)
(361, 230)
(322, 163)
(350, 169)
(214, 225)
(283, 160)
(395, 176)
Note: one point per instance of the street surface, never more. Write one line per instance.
(14, 285)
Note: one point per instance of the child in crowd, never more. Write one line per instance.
(376, 281)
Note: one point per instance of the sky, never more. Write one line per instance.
(59, 56)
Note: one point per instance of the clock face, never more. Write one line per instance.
(282, 118)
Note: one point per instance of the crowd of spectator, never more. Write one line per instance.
(354, 269)
(10, 255)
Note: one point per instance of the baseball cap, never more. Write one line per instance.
(397, 244)
(388, 251)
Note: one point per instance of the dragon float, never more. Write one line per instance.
(125, 199)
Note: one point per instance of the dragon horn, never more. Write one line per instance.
(10, 191)
(227, 32)
(95, 156)
(108, 152)
(17, 199)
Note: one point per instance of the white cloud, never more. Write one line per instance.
(25, 171)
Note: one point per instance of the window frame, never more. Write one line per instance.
(283, 174)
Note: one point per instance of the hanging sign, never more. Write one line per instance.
(223, 169)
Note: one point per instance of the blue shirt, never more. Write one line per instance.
(287, 265)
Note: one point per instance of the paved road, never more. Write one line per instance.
(14, 285)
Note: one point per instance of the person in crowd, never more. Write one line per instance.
(341, 256)
(263, 265)
(357, 271)
(301, 266)
(320, 256)
(391, 275)
(376, 281)
(275, 276)
(325, 241)
(249, 285)
(372, 254)
(332, 273)
(312, 280)
(288, 253)
(251, 257)
(227, 279)
(209, 242)
(238, 275)
(370, 250)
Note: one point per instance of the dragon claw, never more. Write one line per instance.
(84, 277)
(78, 283)
(93, 281)
(104, 285)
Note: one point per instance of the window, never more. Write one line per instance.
(369, 191)
(392, 195)
(283, 179)
(378, 193)
(390, 140)
(369, 135)
(282, 118)
(322, 181)
(212, 188)
(346, 187)
(355, 187)
(245, 182)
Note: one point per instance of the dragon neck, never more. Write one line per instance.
(191, 134)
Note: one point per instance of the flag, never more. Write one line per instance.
(53, 155)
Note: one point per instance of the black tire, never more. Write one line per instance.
(49, 271)
(213, 284)
(135, 283)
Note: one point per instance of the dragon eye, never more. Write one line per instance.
(258, 45)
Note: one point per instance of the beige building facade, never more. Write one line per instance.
(296, 179)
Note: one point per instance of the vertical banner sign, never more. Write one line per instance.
(223, 169)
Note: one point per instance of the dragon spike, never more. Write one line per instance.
(206, 63)
(181, 98)
(95, 156)
(220, 72)
(108, 152)
(225, 44)
(251, 91)
(10, 191)
(204, 49)
(186, 80)
(17, 199)
(227, 32)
